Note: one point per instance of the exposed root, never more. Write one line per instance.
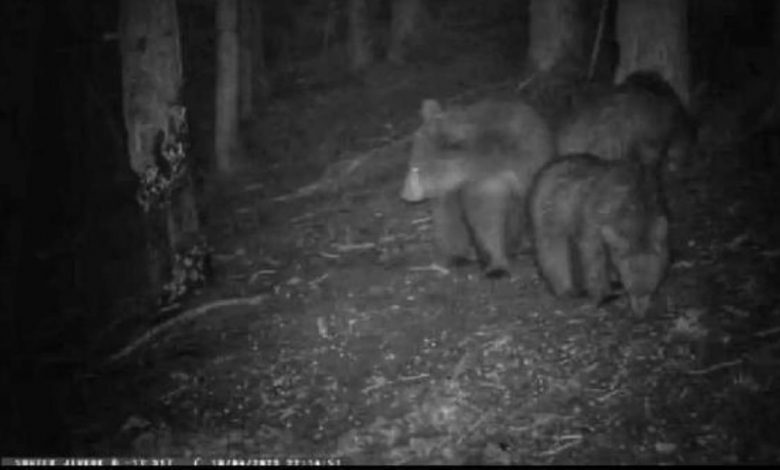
(716, 367)
(183, 317)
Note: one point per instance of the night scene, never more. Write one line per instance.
(390, 232)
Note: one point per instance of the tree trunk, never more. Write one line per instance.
(328, 29)
(359, 35)
(405, 28)
(151, 73)
(252, 67)
(155, 122)
(245, 69)
(261, 82)
(226, 121)
(557, 33)
(653, 35)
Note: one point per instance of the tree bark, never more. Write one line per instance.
(151, 73)
(359, 36)
(226, 121)
(653, 35)
(557, 33)
(155, 123)
(245, 69)
(405, 28)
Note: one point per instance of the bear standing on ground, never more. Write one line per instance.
(477, 163)
(595, 219)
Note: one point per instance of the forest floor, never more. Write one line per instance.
(351, 344)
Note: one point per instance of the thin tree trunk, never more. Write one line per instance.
(253, 84)
(405, 28)
(653, 35)
(359, 35)
(557, 33)
(226, 122)
(260, 81)
(776, 35)
(246, 70)
(328, 28)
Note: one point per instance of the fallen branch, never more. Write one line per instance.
(473, 427)
(254, 187)
(557, 450)
(431, 267)
(263, 272)
(522, 85)
(316, 282)
(771, 254)
(722, 365)
(181, 318)
(347, 247)
(411, 378)
(336, 174)
(769, 332)
(608, 395)
(302, 192)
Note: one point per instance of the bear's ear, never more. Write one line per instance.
(431, 109)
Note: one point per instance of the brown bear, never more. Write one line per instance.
(595, 219)
(476, 164)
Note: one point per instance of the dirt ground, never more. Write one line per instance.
(347, 342)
